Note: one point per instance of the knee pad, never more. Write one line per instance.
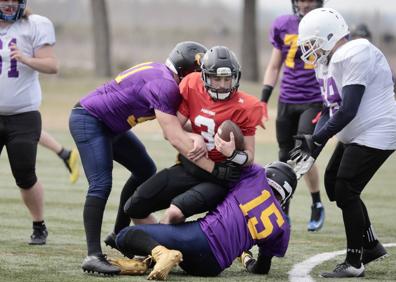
(25, 179)
(344, 193)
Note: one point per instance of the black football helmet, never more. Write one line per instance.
(20, 9)
(282, 179)
(185, 58)
(296, 10)
(220, 61)
(360, 31)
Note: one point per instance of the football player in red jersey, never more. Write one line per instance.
(209, 98)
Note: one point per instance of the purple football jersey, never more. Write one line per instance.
(299, 84)
(133, 95)
(249, 215)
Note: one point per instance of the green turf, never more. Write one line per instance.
(60, 259)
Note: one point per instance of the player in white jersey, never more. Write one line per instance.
(26, 48)
(356, 84)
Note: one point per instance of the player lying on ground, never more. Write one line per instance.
(251, 214)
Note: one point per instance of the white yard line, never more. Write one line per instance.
(300, 271)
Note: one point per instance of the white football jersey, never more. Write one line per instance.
(360, 62)
(20, 89)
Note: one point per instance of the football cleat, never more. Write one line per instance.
(99, 264)
(130, 266)
(110, 241)
(165, 260)
(344, 270)
(373, 254)
(39, 236)
(317, 217)
(72, 165)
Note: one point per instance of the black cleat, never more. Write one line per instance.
(99, 264)
(110, 240)
(373, 254)
(344, 270)
(39, 236)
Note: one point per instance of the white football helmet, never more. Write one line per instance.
(318, 33)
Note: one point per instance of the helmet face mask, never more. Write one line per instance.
(312, 52)
(319, 31)
(185, 58)
(282, 179)
(297, 10)
(11, 11)
(220, 73)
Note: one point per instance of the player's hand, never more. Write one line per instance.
(245, 257)
(265, 116)
(224, 147)
(227, 171)
(304, 148)
(199, 149)
(302, 167)
(16, 54)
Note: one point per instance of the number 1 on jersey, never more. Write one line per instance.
(13, 72)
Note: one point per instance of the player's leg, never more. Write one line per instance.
(358, 165)
(286, 128)
(23, 131)
(69, 157)
(372, 248)
(187, 238)
(306, 126)
(131, 153)
(94, 143)
(158, 191)
(200, 198)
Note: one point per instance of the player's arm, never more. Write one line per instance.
(43, 60)
(177, 137)
(199, 149)
(271, 74)
(352, 96)
(260, 266)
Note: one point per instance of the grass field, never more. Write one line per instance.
(60, 259)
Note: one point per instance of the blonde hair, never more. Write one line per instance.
(26, 13)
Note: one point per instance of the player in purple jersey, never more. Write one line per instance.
(251, 214)
(300, 99)
(100, 125)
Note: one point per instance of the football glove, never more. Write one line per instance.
(245, 258)
(305, 147)
(227, 171)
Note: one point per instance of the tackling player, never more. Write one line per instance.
(100, 125)
(357, 87)
(251, 214)
(26, 49)
(299, 101)
(209, 98)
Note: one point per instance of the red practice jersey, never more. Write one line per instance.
(207, 115)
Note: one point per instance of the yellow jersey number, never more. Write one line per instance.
(264, 216)
(132, 120)
(291, 40)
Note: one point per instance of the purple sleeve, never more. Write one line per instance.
(164, 96)
(274, 35)
(278, 244)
